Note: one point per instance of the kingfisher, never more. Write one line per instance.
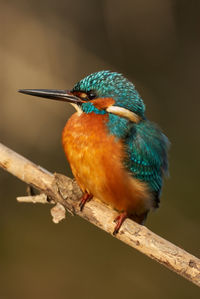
(115, 153)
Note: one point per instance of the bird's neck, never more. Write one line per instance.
(119, 126)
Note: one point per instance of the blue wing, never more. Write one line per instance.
(147, 155)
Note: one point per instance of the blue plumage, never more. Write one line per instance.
(147, 154)
(113, 85)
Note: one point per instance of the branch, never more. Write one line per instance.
(65, 192)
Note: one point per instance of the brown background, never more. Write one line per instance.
(53, 44)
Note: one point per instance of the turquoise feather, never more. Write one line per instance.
(147, 154)
(113, 85)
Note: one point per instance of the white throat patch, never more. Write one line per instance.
(78, 109)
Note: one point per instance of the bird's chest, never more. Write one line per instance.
(88, 145)
(96, 159)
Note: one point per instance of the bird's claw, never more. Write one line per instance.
(119, 220)
(85, 198)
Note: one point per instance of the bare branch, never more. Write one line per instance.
(65, 191)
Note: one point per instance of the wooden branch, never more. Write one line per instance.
(63, 190)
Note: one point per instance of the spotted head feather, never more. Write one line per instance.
(111, 84)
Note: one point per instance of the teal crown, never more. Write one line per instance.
(113, 85)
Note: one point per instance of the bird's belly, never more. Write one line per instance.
(95, 157)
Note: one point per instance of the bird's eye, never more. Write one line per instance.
(91, 95)
(85, 96)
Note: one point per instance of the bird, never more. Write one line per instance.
(115, 153)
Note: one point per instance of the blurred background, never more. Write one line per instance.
(53, 44)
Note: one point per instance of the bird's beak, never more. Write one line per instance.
(53, 94)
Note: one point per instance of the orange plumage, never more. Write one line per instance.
(95, 157)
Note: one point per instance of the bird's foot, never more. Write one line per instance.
(85, 198)
(119, 220)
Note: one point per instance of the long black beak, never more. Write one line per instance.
(53, 94)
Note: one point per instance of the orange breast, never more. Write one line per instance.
(95, 157)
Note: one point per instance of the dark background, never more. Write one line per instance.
(53, 44)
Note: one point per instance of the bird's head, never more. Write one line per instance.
(101, 92)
